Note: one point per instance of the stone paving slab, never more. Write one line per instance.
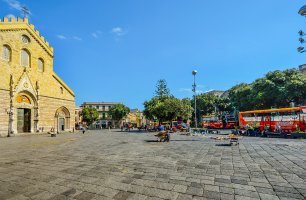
(117, 165)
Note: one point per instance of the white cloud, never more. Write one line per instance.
(208, 91)
(14, 4)
(96, 34)
(189, 90)
(118, 31)
(200, 86)
(77, 38)
(61, 37)
(185, 90)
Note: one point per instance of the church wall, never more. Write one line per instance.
(49, 86)
(51, 91)
(4, 108)
(48, 107)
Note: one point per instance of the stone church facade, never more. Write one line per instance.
(32, 97)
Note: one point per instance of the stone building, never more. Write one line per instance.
(136, 117)
(104, 120)
(78, 116)
(32, 97)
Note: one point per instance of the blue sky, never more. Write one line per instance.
(117, 50)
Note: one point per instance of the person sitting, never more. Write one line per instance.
(163, 136)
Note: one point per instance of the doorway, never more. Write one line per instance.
(23, 120)
(61, 124)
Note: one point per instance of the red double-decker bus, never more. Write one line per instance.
(275, 120)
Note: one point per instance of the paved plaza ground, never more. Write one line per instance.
(119, 165)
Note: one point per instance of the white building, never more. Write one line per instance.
(102, 107)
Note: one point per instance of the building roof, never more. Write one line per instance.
(100, 103)
(134, 110)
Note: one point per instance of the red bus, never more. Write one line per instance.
(213, 122)
(275, 120)
(210, 121)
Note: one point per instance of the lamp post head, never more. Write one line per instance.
(302, 10)
(301, 49)
(194, 72)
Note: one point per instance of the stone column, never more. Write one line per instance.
(11, 110)
(36, 109)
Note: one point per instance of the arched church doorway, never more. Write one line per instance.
(25, 109)
(62, 119)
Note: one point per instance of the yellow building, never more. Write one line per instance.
(136, 118)
(32, 97)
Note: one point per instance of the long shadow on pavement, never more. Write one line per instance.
(174, 140)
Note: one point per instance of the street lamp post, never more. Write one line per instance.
(302, 12)
(194, 72)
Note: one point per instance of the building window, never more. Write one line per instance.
(6, 53)
(97, 107)
(40, 65)
(103, 108)
(62, 90)
(103, 115)
(25, 39)
(25, 58)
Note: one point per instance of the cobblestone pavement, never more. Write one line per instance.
(118, 165)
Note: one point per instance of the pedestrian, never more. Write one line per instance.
(83, 130)
(161, 127)
(168, 137)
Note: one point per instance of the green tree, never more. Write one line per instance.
(90, 115)
(275, 89)
(224, 104)
(162, 90)
(240, 97)
(184, 109)
(206, 103)
(118, 112)
(167, 109)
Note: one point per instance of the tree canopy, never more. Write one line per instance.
(162, 89)
(208, 103)
(90, 115)
(167, 109)
(275, 89)
(118, 111)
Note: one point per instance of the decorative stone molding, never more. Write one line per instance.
(23, 24)
(24, 84)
